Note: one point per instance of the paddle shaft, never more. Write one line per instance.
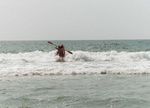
(56, 46)
(52, 43)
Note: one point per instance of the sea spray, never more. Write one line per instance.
(43, 63)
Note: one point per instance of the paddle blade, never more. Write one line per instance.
(50, 42)
(70, 52)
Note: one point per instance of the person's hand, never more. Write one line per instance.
(56, 47)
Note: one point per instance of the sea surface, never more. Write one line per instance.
(99, 74)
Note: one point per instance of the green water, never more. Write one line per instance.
(79, 91)
(75, 45)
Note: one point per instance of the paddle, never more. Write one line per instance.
(56, 46)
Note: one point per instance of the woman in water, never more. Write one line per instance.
(61, 53)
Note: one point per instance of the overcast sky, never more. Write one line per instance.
(74, 19)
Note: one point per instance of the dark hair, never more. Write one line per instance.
(59, 47)
(62, 46)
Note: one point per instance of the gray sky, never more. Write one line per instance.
(74, 19)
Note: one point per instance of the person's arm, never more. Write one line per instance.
(57, 52)
(64, 52)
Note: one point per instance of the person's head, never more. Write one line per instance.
(62, 46)
(59, 47)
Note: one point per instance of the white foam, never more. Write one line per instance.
(81, 62)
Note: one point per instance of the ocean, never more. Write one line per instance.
(99, 74)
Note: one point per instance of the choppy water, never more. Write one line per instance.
(27, 58)
(79, 91)
(76, 45)
(99, 74)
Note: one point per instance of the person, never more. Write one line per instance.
(60, 52)
(63, 49)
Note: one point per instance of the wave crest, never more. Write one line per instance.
(80, 62)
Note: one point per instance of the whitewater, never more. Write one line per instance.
(99, 74)
(80, 62)
(27, 58)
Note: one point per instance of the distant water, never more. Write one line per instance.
(76, 45)
(27, 58)
(99, 74)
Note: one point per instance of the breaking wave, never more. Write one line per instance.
(80, 62)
